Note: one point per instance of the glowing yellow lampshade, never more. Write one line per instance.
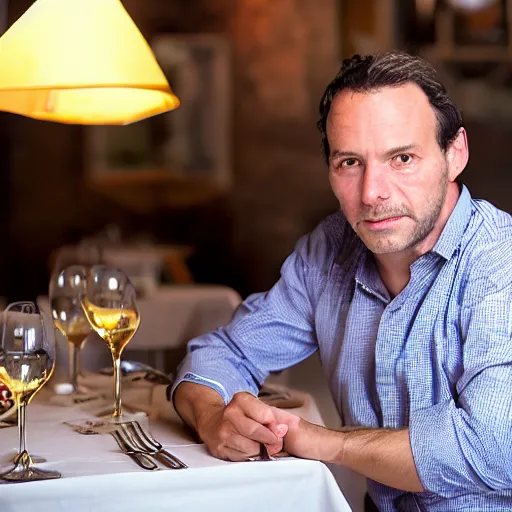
(80, 61)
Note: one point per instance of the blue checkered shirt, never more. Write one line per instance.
(436, 359)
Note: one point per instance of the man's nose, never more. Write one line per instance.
(375, 184)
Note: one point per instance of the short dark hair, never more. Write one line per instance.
(372, 72)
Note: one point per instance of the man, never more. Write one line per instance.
(406, 293)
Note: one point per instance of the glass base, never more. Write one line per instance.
(106, 424)
(32, 474)
(35, 458)
(24, 471)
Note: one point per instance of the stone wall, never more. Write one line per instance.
(284, 52)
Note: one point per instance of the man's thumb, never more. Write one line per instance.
(281, 430)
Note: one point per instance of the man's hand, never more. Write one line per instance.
(236, 431)
(303, 439)
(233, 432)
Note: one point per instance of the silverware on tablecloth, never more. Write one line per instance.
(137, 456)
(145, 442)
(263, 455)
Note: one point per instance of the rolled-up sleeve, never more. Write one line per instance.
(465, 444)
(269, 332)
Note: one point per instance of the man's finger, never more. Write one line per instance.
(236, 456)
(251, 429)
(243, 445)
(275, 448)
(253, 408)
(285, 418)
(229, 453)
(278, 429)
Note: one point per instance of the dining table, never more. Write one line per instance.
(97, 476)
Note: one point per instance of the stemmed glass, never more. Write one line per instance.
(67, 288)
(27, 359)
(110, 306)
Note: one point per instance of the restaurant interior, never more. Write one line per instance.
(200, 204)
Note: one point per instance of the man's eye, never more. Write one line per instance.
(403, 159)
(350, 162)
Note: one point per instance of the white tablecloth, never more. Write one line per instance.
(98, 477)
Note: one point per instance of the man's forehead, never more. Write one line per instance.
(387, 112)
(404, 98)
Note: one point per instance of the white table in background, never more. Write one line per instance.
(169, 318)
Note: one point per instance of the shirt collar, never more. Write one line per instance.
(454, 229)
(367, 276)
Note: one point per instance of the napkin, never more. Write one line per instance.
(140, 391)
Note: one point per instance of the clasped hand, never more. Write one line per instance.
(234, 432)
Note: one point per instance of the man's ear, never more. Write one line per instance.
(457, 154)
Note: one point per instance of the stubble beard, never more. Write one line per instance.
(384, 243)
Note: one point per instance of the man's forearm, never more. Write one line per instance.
(384, 455)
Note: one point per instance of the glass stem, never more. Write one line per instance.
(22, 409)
(74, 365)
(116, 359)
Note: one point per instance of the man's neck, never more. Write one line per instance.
(395, 268)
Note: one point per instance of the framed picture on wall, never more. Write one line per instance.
(191, 144)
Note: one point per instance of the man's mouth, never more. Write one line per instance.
(384, 223)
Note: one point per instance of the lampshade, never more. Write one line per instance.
(80, 61)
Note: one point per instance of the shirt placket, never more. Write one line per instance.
(389, 368)
(388, 361)
(391, 340)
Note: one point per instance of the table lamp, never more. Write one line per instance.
(80, 62)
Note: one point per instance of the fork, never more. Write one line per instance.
(129, 449)
(149, 444)
(263, 455)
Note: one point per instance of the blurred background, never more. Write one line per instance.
(226, 184)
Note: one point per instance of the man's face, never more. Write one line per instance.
(386, 167)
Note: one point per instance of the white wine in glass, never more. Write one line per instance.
(27, 359)
(110, 307)
(67, 287)
(115, 325)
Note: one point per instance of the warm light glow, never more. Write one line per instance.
(80, 61)
(471, 5)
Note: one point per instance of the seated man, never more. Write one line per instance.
(407, 295)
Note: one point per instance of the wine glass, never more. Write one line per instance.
(27, 359)
(110, 307)
(67, 288)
